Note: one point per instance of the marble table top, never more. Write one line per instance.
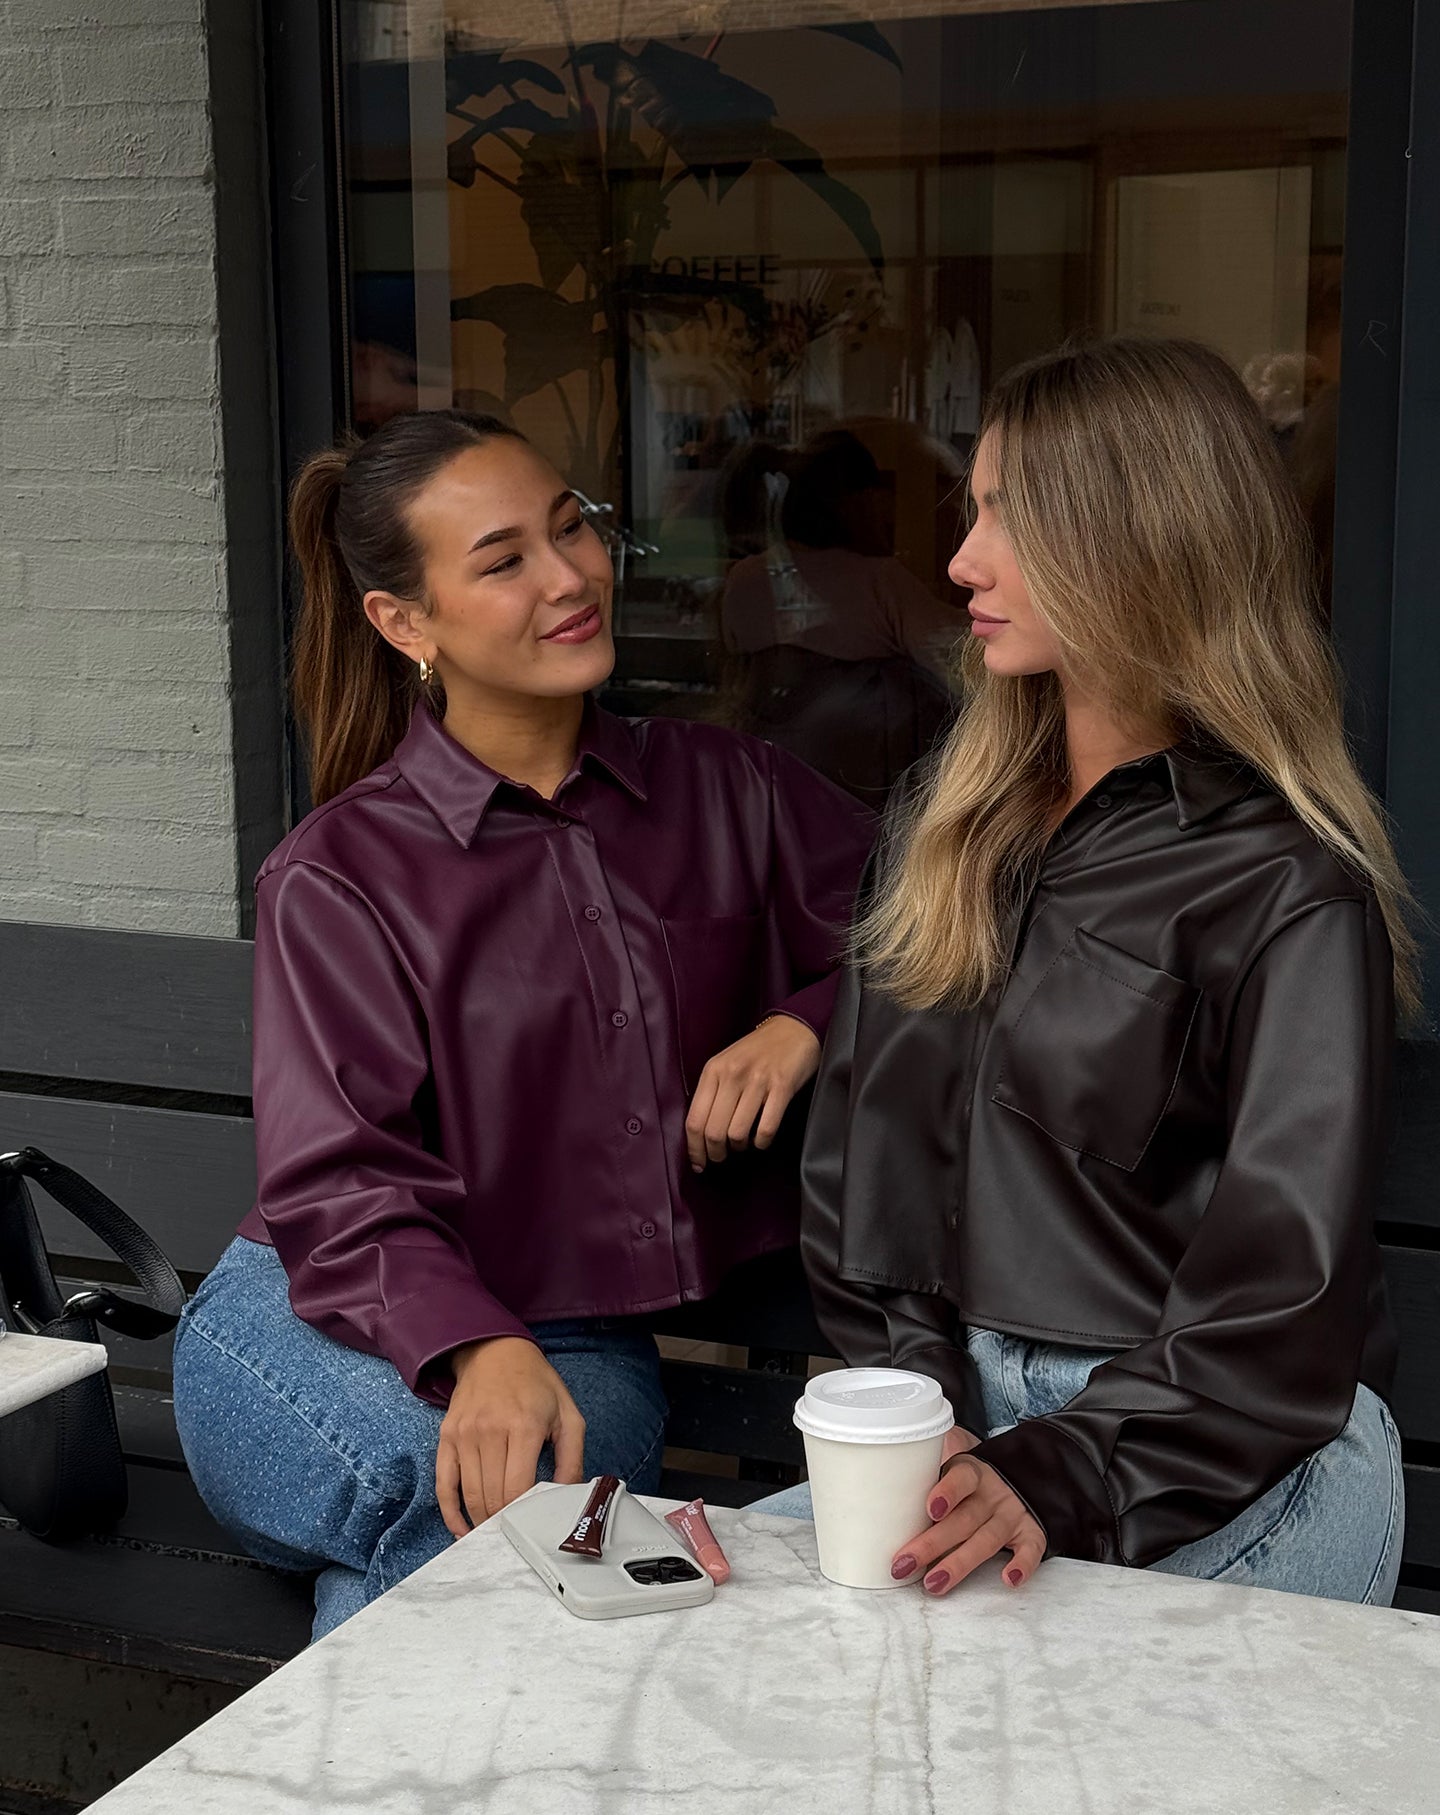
(1091, 1691)
(32, 1367)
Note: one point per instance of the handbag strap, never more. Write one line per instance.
(164, 1293)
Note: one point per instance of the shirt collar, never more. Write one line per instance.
(1204, 778)
(458, 788)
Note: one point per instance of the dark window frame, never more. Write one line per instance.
(1387, 636)
(1412, 777)
(308, 262)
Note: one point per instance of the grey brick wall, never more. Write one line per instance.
(117, 793)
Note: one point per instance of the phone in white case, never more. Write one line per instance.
(644, 1568)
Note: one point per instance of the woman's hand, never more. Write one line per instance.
(977, 1514)
(957, 1441)
(507, 1404)
(748, 1087)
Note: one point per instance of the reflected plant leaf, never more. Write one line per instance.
(462, 162)
(806, 165)
(546, 338)
(594, 200)
(867, 37)
(563, 204)
(474, 74)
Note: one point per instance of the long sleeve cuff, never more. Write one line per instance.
(812, 1005)
(419, 1334)
(1056, 1480)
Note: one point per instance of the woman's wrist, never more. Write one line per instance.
(466, 1354)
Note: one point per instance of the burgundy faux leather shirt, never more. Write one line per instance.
(479, 1017)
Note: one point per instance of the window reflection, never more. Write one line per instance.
(745, 276)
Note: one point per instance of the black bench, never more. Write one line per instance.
(128, 1055)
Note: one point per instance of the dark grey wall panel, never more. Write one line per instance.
(188, 1179)
(1414, 1281)
(1422, 1517)
(1410, 1188)
(127, 1008)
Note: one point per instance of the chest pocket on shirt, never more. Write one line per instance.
(1095, 1052)
(715, 965)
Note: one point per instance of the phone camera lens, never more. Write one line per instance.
(653, 1571)
(677, 1569)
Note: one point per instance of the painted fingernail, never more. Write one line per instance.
(902, 1567)
(1014, 1577)
(937, 1580)
(938, 1507)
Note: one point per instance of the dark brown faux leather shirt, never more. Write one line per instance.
(1161, 1136)
(479, 1017)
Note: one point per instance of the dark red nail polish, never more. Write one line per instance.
(902, 1567)
(938, 1508)
(936, 1580)
(1014, 1577)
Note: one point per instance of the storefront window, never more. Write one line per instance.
(745, 273)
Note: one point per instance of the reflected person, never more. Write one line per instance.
(836, 650)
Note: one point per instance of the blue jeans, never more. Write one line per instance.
(317, 1457)
(1334, 1527)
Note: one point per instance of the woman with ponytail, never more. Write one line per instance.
(534, 990)
(1099, 1126)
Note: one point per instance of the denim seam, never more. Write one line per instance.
(362, 1475)
(1011, 1362)
(1393, 1525)
(657, 1444)
(1264, 1537)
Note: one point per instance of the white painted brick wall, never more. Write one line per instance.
(116, 784)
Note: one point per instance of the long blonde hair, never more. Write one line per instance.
(1161, 543)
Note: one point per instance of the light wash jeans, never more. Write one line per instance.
(1334, 1527)
(317, 1457)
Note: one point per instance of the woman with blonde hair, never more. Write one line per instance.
(1098, 1126)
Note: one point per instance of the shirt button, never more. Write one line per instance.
(649, 1231)
(634, 1125)
(562, 822)
(619, 1019)
(592, 913)
(1104, 800)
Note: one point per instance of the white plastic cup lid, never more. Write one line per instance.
(873, 1405)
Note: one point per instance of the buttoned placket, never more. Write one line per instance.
(1078, 829)
(625, 1048)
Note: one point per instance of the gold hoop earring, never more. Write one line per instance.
(427, 672)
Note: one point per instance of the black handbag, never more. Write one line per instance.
(62, 1473)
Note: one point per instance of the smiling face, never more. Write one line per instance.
(1016, 639)
(518, 585)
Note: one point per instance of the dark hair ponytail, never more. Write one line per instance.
(350, 529)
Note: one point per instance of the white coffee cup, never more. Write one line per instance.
(873, 1441)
